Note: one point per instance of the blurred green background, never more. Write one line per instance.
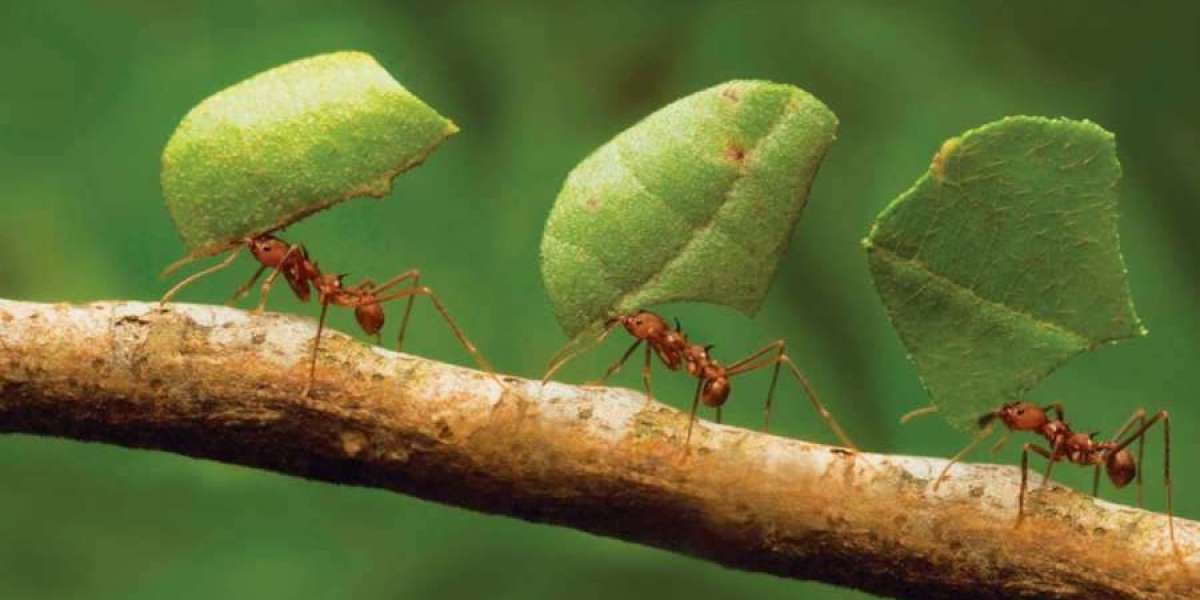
(92, 90)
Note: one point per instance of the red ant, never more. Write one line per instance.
(300, 272)
(271, 253)
(713, 387)
(1078, 448)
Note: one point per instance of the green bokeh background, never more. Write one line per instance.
(92, 90)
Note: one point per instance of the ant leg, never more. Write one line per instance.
(1024, 476)
(245, 287)
(1141, 432)
(366, 284)
(1167, 479)
(415, 276)
(572, 349)
(718, 415)
(982, 435)
(407, 312)
(1057, 408)
(1141, 453)
(920, 412)
(770, 397)
(175, 266)
(646, 378)
(454, 328)
(197, 275)
(741, 365)
(312, 368)
(749, 364)
(1025, 448)
(270, 280)
(692, 417)
(179, 264)
(816, 402)
(1055, 456)
(616, 366)
(1000, 444)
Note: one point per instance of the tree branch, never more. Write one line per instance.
(223, 384)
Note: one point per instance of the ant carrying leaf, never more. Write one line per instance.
(713, 387)
(302, 275)
(1066, 445)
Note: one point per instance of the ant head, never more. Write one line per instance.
(1019, 416)
(268, 249)
(1121, 467)
(644, 324)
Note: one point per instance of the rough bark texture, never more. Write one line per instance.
(224, 384)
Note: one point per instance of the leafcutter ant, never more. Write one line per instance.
(1078, 448)
(676, 352)
(303, 275)
(366, 299)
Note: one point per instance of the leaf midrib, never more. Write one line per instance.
(710, 222)
(1076, 337)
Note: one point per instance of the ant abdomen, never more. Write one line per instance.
(715, 392)
(370, 317)
(1121, 468)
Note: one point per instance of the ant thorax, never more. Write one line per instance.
(329, 289)
(671, 347)
(696, 357)
(1055, 430)
(1080, 449)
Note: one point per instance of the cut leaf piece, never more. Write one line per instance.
(290, 141)
(1003, 261)
(696, 202)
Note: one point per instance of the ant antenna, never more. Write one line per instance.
(920, 412)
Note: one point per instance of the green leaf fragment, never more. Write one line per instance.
(291, 141)
(1003, 261)
(697, 202)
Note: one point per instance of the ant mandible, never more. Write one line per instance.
(1078, 448)
(302, 274)
(713, 387)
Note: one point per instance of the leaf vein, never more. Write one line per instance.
(1076, 337)
(700, 230)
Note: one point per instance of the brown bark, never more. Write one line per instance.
(224, 384)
